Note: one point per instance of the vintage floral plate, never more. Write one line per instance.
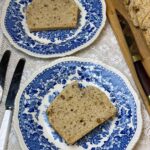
(30, 119)
(56, 43)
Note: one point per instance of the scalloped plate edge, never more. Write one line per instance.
(6, 4)
(137, 134)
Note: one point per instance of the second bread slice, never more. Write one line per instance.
(75, 112)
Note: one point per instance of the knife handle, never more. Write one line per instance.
(143, 77)
(5, 129)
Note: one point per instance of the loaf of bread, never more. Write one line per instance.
(139, 11)
(77, 111)
(52, 14)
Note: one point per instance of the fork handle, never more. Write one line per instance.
(5, 129)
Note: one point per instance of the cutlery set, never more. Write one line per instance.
(133, 47)
(13, 89)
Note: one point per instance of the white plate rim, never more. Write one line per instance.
(4, 10)
(138, 132)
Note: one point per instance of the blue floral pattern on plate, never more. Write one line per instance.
(58, 42)
(36, 96)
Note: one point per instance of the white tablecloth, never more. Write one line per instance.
(105, 49)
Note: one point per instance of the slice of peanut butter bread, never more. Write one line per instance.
(52, 14)
(77, 111)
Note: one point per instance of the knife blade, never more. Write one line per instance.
(14, 86)
(3, 68)
(9, 104)
(136, 57)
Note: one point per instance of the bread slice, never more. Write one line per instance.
(77, 111)
(52, 14)
(146, 21)
(143, 16)
(139, 11)
(132, 12)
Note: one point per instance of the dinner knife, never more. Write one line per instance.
(136, 57)
(9, 104)
(3, 68)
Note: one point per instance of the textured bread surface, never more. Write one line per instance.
(147, 36)
(52, 14)
(76, 111)
(139, 11)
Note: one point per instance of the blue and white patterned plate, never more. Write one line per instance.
(56, 43)
(31, 122)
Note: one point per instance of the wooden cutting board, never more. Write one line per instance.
(112, 6)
